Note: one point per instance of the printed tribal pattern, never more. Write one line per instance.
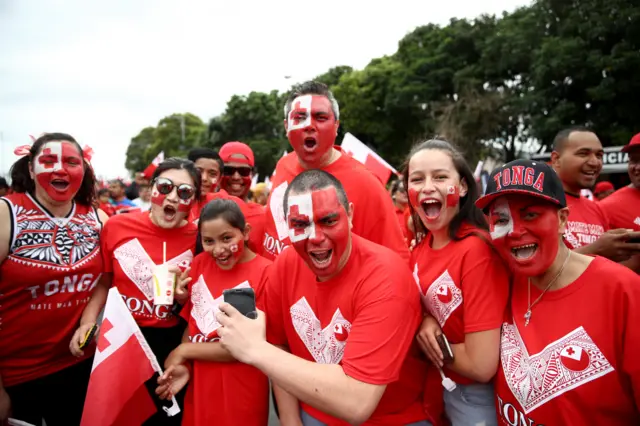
(54, 243)
(569, 362)
(326, 345)
(205, 307)
(138, 266)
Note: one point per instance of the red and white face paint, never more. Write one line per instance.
(319, 231)
(171, 202)
(525, 233)
(59, 170)
(311, 129)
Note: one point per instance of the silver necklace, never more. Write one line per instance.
(527, 315)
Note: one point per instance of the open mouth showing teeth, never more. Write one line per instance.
(169, 212)
(60, 184)
(223, 259)
(524, 252)
(309, 142)
(321, 258)
(431, 208)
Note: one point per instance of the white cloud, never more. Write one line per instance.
(102, 72)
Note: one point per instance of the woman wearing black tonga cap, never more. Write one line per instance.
(571, 341)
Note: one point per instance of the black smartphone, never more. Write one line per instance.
(445, 348)
(635, 240)
(88, 337)
(243, 299)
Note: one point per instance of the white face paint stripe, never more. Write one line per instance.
(500, 208)
(301, 205)
(299, 103)
(49, 148)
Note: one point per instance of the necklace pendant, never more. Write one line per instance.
(527, 317)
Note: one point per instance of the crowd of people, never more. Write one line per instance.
(428, 303)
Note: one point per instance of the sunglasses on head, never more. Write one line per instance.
(242, 171)
(165, 186)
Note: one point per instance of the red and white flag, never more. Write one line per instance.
(123, 362)
(376, 164)
(148, 172)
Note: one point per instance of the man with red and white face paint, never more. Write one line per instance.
(311, 121)
(345, 309)
(571, 339)
(59, 169)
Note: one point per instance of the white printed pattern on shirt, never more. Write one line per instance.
(537, 379)
(637, 221)
(322, 343)
(138, 266)
(205, 307)
(442, 298)
(277, 211)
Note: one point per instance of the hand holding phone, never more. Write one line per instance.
(88, 337)
(447, 353)
(243, 299)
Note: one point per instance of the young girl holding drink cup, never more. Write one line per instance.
(142, 252)
(241, 391)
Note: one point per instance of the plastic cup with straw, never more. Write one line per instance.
(163, 281)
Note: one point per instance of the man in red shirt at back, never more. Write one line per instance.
(312, 118)
(577, 158)
(345, 308)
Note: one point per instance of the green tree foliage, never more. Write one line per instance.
(175, 134)
(492, 85)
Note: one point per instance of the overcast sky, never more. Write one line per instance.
(102, 71)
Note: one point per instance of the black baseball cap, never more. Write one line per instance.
(527, 177)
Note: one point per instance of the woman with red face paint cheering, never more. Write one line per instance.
(49, 263)
(571, 342)
(463, 283)
(241, 392)
(132, 247)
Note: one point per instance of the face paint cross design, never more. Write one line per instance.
(311, 129)
(300, 218)
(526, 233)
(453, 196)
(500, 210)
(300, 115)
(319, 231)
(59, 169)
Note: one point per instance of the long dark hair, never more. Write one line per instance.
(22, 182)
(468, 213)
(175, 163)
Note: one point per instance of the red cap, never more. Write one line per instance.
(240, 151)
(633, 143)
(602, 187)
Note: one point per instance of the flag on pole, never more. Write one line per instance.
(148, 172)
(117, 395)
(359, 151)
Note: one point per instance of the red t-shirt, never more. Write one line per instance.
(587, 221)
(45, 283)
(255, 216)
(374, 217)
(364, 319)
(623, 208)
(196, 208)
(131, 246)
(403, 220)
(576, 363)
(464, 286)
(222, 393)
